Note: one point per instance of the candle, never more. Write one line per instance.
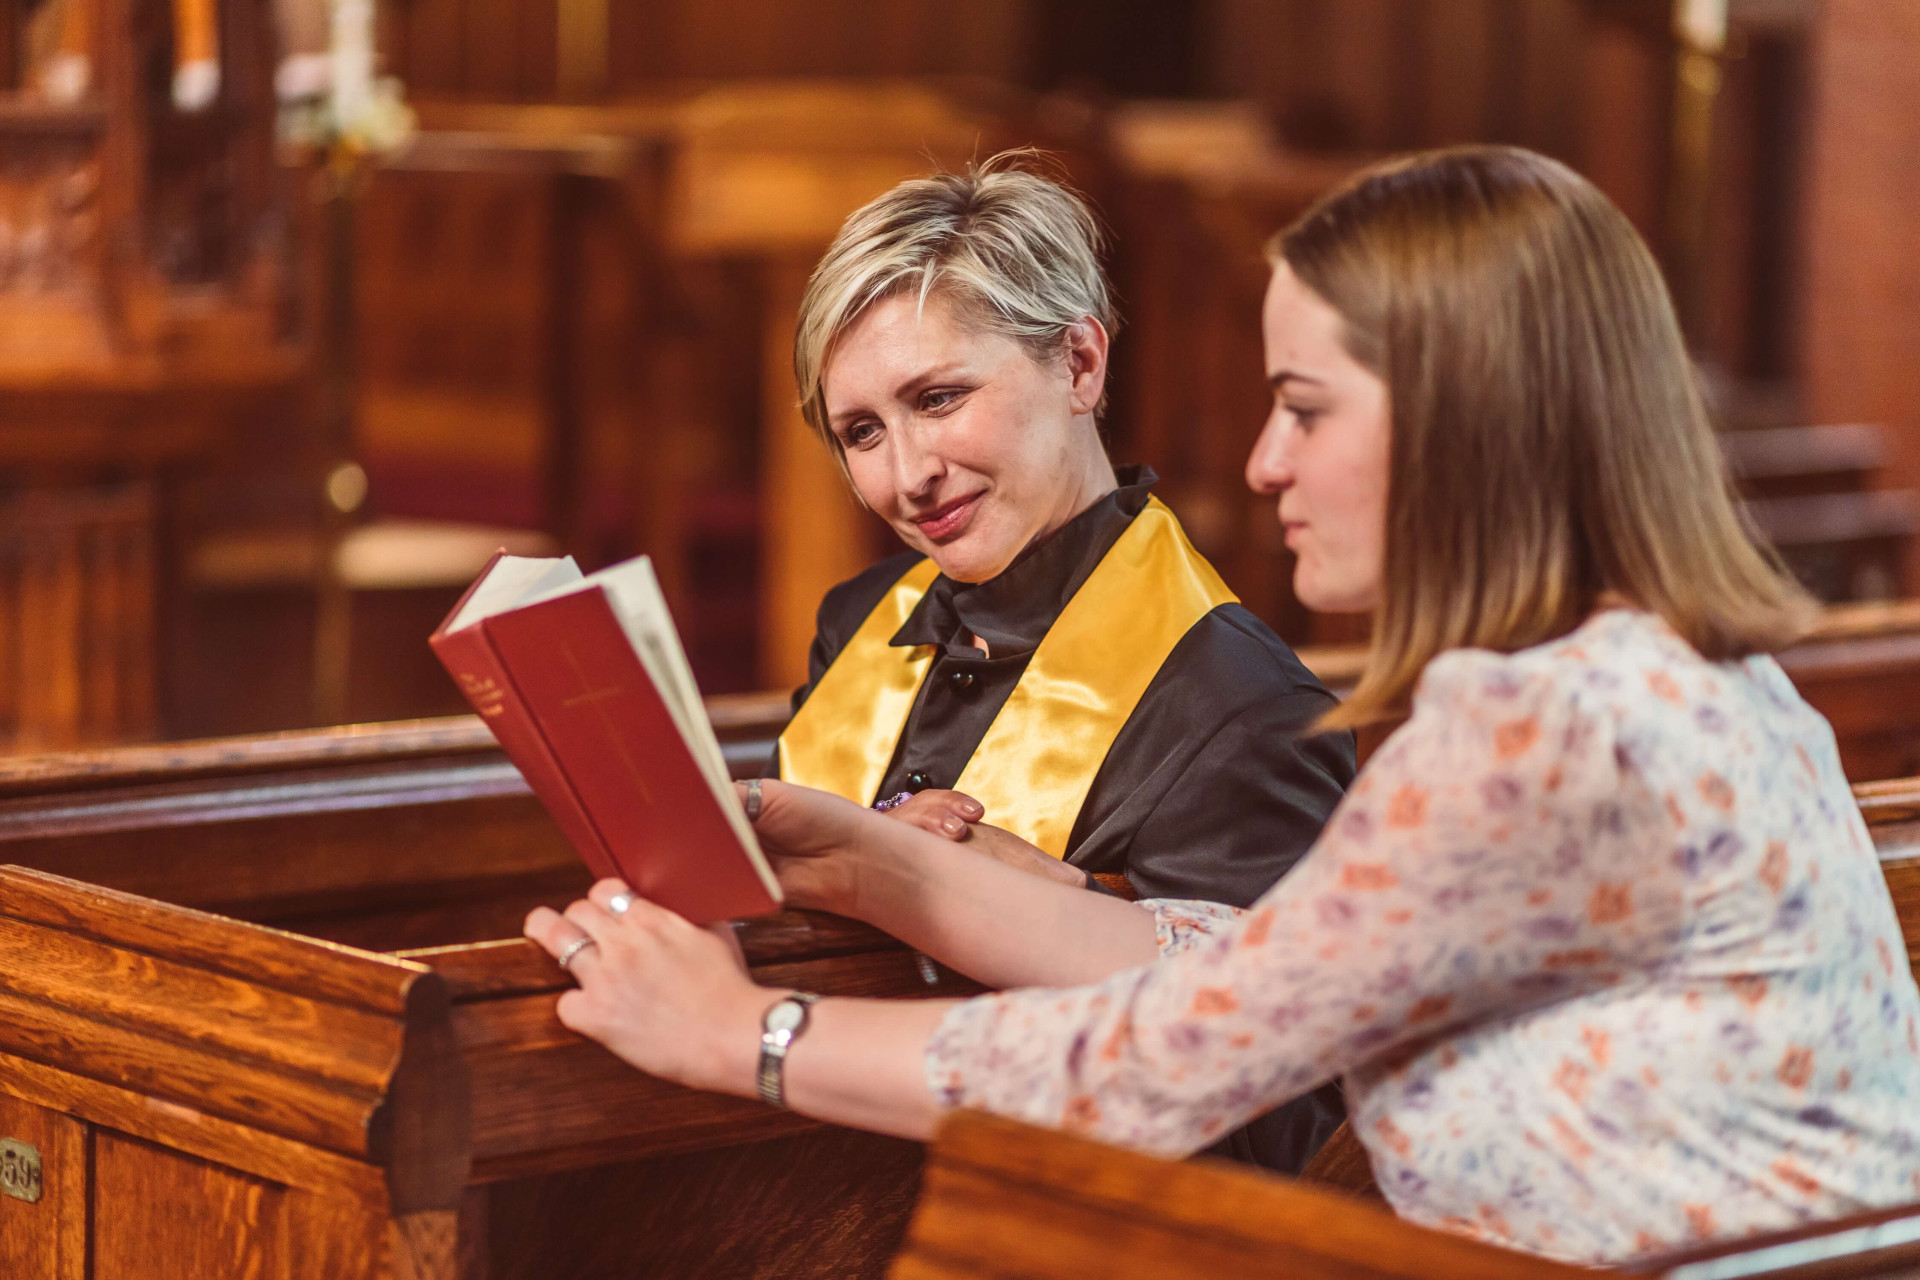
(352, 62)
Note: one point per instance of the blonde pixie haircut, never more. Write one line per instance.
(1015, 253)
(1548, 442)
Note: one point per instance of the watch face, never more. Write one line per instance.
(786, 1016)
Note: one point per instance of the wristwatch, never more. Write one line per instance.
(782, 1025)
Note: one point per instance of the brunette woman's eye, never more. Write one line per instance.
(1303, 418)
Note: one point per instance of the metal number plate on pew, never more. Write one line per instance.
(20, 1170)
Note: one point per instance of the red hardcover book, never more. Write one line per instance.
(585, 686)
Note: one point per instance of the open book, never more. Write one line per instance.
(584, 684)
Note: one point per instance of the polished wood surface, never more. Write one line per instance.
(1004, 1200)
(1007, 1201)
(255, 1094)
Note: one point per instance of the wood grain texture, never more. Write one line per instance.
(545, 1099)
(48, 1237)
(294, 1037)
(1004, 1200)
(175, 1217)
(831, 1204)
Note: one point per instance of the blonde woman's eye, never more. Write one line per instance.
(933, 401)
(861, 435)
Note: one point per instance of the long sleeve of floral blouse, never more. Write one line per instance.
(1498, 852)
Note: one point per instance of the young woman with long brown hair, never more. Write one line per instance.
(1597, 942)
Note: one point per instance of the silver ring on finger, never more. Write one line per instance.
(573, 949)
(619, 903)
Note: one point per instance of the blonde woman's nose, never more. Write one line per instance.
(916, 468)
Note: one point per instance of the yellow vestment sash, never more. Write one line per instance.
(1038, 759)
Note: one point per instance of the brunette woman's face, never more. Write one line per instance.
(1323, 450)
(961, 440)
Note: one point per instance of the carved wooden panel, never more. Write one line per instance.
(46, 1236)
(171, 1216)
(76, 617)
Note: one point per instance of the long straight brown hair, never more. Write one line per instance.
(1548, 442)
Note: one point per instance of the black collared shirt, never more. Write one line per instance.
(1211, 790)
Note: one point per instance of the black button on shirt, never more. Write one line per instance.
(1212, 789)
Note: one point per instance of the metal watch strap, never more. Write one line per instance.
(774, 1043)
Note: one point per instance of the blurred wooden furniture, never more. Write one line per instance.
(206, 1096)
(1201, 188)
(1809, 492)
(758, 178)
(150, 311)
(76, 616)
(1860, 668)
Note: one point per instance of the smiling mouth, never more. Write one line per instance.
(948, 519)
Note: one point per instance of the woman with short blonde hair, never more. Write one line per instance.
(1051, 674)
(1597, 942)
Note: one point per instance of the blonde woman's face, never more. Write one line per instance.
(1323, 451)
(959, 439)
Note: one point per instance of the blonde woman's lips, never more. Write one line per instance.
(948, 519)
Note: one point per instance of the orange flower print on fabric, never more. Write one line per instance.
(1408, 808)
(1210, 1001)
(1514, 738)
(1796, 1067)
(1368, 876)
(1611, 902)
(1716, 791)
(1773, 869)
(1748, 988)
(1665, 688)
(1700, 1221)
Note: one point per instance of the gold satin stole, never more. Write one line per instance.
(1034, 767)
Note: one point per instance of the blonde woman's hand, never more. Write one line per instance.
(947, 814)
(669, 997)
(809, 836)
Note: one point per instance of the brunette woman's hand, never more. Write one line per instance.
(1003, 846)
(947, 814)
(667, 996)
(808, 835)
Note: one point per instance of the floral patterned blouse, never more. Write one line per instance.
(1597, 940)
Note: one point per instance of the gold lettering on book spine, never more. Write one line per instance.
(485, 695)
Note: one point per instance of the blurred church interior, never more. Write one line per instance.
(308, 305)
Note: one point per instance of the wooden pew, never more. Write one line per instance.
(207, 1096)
(416, 841)
(1010, 1202)
(410, 834)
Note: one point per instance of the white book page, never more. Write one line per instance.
(512, 580)
(634, 592)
